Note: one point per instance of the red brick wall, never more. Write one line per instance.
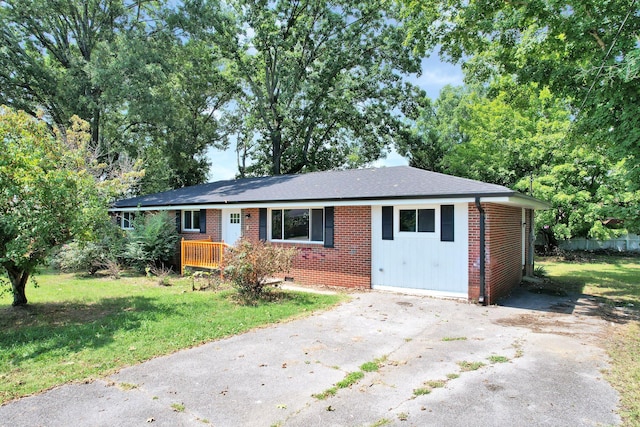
(347, 264)
(214, 227)
(474, 252)
(214, 232)
(503, 246)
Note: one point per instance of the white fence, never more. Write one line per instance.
(628, 243)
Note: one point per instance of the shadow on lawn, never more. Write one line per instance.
(70, 327)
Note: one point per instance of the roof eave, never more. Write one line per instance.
(512, 198)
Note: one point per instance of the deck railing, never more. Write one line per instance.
(202, 254)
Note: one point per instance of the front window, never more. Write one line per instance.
(127, 220)
(297, 224)
(191, 220)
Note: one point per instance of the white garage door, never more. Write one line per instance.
(415, 257)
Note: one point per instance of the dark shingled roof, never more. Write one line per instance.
(400, 182)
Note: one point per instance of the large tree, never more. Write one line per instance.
(584, 50)
(147, 92)
(322, 81)
(438, 129)
(515, 135)
(48, 193)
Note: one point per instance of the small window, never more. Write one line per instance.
(191, 220)
(420, 220)
(297, 224)
(234, 218)
(127, 220)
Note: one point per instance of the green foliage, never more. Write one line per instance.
(350, 379)
(47, 195)
(446, 339)
(515, 135)
(250, 264)
(101, 253)
(421, 391)
(586, 54)
(152, 242)
(466, 366)
(148, 93)
(321, 82)
(494, 358)
(80, 256)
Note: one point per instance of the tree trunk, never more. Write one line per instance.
(95, 128)
(276, 146)
(18, 279)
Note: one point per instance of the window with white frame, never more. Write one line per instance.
(297, 225)
(234, 218)
(127, 220)
(191, 220)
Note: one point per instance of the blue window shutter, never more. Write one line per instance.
(262, 228)
(328, 227)
(446, 223)
(387, 223)
(178, 222)
(203, 220)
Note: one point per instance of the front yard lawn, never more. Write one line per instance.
(79, 328)
(616, 282)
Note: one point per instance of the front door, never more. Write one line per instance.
(231, 225)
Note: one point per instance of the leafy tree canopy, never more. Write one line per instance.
(48, 193)
(515, 135)
(147, 93)
(584, 51)
(321, 81)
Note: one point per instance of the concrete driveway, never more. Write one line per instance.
(546, 371)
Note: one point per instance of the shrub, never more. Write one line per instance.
(92, 256)
(250, 264)
(81, 256)
(152, 242)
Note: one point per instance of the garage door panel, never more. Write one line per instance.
(421, 260)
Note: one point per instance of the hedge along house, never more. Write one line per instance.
(396, 228)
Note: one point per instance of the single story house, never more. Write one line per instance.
(394, 228)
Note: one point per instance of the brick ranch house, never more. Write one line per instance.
(395, 228)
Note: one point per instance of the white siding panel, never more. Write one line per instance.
(421, 260)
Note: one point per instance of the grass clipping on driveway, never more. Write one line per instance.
(615, 282)
(78, 328)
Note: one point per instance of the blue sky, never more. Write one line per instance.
(435, 75)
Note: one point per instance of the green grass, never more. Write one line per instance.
(421, 391)
(374, 365)
(436, 383)
(497, 359)
(178, 407)
(350, 379)
(78, 328)
(470, 366)
(616, 281)
(446, 339)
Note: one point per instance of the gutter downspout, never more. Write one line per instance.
(482, 299)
